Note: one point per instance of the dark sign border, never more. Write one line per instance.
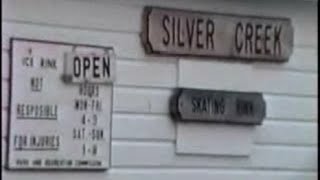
(149, 50)
(176, 114)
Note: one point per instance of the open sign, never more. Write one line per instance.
(91, 68)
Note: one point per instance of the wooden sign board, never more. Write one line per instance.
(57, 122)
(191, 105)
(188, 33)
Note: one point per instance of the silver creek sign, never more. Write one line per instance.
(189, 33)
(218, 106)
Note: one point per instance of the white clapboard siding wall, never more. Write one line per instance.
(143, 134)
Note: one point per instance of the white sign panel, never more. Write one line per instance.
(60, 119)
(92, 67)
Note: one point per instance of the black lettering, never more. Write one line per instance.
(190, 32)
(106, 67)
(195, 105)
(48, 63)
(199, 32)
(22, 162)
(27, 61)
(95, 67)
(216, 106)
(173, 31)
(219, 106)
(36, 162)
(277, 45)
(20, 141)
(36, 83)
(20, 111)
(165, 20)
(248, 36)
(238, 29)
(266, 39)
(76, 66)
(244, 107)
(204, 106)
(210, 32)
(180, 43)
(258, 39)
(250, 108)
(58, 141)
(86, 65)
(41, 62)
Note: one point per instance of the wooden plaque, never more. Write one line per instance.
(218, 106)
(189, 33)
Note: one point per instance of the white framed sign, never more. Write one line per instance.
(60, 105)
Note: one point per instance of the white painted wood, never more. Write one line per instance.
(5, 64)
(4, 122)
(243, 77)
(163, 155)
(288, 107)
(150, 127)
(143, 133)
(149, 100)
(3, 152)
(302, 59)
(177, 162)
(126, 16)
(163, 128)
(81, 14)
(125, 44)
(284, 132)
(277, 8)
(139, 127)
(4, 93)
(128, 44)
(147, 73)
(214, 139)
(139, 100)
(161, 174)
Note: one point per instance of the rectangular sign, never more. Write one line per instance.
(93, 68)
(54, 123)
(218, 106)
(189, 33)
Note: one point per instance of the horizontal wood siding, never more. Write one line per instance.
(143, 133)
